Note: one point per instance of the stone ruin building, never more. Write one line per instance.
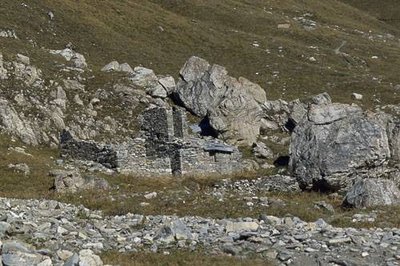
(164, 146)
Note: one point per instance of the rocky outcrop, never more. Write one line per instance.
(12, 123)
(334, 143)
(77, 59)
(232, 106)
(34, 108)
(372, 192)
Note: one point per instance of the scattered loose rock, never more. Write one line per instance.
(286, 239)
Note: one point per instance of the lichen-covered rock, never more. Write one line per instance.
(241, 226)
(372, 192)
(232, 106)
(334, 143)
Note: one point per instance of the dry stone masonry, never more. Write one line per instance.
(163, 147)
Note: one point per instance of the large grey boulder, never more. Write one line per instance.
(231, 105)
(336, 142)
(394, 140)
(71, 181)
(372, 192)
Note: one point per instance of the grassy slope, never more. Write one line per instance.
(387, 11)
(163, 34)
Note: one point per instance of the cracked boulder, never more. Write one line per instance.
(334, 143)
(232, 106)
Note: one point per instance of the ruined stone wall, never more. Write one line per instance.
(179, 123)
(156, 123)
(163, 148)
(195, 160)
(88, 151)
(133, 158)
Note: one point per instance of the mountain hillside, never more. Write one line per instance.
(199, 132)
(290, 48)
(387, 11)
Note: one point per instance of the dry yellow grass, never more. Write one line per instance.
(179, 258)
